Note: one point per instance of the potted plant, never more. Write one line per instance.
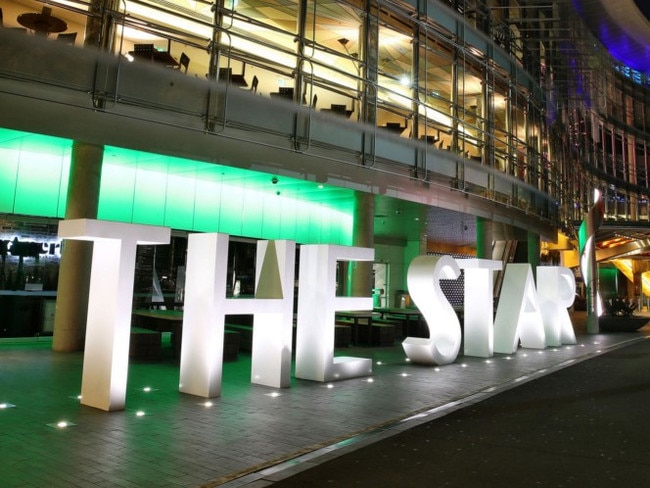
(620, 316)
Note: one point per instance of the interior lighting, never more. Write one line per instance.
(405, 375)
(329, 386)
(463, 365)
(370, 380)
(379, 363)
(436, 369)
(488, 361)
(147, 389)
(274, 394)
(140, 413)
(4, 406)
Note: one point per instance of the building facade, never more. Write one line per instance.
(410, 127)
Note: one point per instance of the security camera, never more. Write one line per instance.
(274, 180)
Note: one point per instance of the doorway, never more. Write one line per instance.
(380, 287)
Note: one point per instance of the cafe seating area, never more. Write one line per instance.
(149, 53)
(155, 329)
(44, 23)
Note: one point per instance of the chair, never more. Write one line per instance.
(286, 92)
(67, 38)
(144, 51)
(184, 63)
(225, 74)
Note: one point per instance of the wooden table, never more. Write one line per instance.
(43, 23)
(172, 321)
(360, 319)
(160, 58)
(411, 319)
(162, 321)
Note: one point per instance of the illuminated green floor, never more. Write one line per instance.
(181, 442)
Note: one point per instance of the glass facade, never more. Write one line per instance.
(515, 89)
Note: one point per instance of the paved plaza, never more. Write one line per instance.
(251, 433)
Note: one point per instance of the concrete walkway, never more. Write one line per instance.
(166, 439)
(587, 425)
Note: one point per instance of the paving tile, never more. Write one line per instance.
(181, 443)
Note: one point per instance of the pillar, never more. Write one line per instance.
(370, 56)
(534, 250)
(484, 238)
(76, 256)
(363, 236)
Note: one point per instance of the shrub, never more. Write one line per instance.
(620, 307)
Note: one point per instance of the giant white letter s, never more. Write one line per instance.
(443, 343)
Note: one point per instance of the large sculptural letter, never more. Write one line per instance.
(423, 278)
(556, 288)
(206, 306)
(478, 313)
(317, 304)
(106, 353)
(518, 315)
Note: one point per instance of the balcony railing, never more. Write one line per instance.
(81, 93)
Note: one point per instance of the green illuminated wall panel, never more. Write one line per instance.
(327, 234)
(63, 188)
(8, 174)
(116, 193)
(206, 210)
(159, 190)
(252, 213)
(303, 217)
(149, 201)
(179, 204)
(276, 215)
(38, 185)
(232, 202)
